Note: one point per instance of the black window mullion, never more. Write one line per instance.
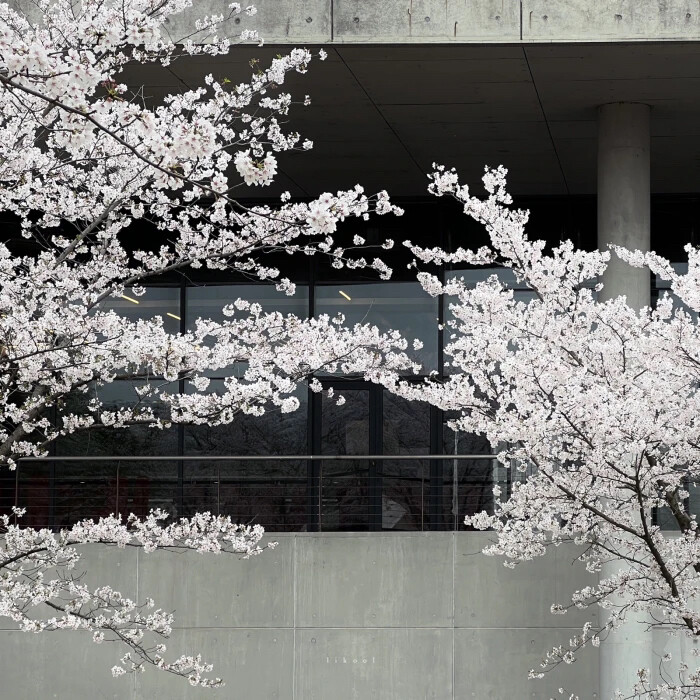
(376, 447)
(180, 495)
(314, 467)
(434, 520)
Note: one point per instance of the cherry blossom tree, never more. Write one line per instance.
(111, 191)
(594, 407)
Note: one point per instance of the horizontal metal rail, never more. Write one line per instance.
(318, 506)
(256, 458)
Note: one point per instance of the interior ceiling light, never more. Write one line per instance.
(177, 318)
(131, 299)
(343, 294)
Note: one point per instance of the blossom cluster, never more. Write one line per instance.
(41, 591)
(593, 405)
(84, 160)
(112, 189)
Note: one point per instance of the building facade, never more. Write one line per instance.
(377, 590)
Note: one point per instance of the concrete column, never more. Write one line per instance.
(623, 195)
(623, 219)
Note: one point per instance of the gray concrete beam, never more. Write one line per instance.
(456, 21)
(452, 21)
(613, 20)
(359, 21)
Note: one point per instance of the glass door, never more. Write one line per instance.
(344, 483)
(375, 477)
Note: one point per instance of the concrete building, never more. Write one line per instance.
(376, 591)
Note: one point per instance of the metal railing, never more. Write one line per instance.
(282, 492)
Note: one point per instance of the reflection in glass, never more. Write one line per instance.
(32, 481)
(662, 287)
(272, 433)
(664, 517)
(207, 302)
(266, 492)
(472, 276)
(467, 486)
(269, 492)
(405, 483)
(97, 489)
(345, 483)
(156, 301)
(402, 306)
(146, 485)
(132, 440)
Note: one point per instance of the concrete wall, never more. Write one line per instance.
(473, 21)
(448, 21)
(329, 617)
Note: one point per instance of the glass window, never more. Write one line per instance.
(680, 268)
(207, 302)
(270, 492)
(273, 433)
(97, 489)
(405, 483)
(132, 440)
(401, 306)
(473, 276)
(661, 287)
(467, 486)
(664, 517)
(156, 301)
(344, 484)
(32, 481)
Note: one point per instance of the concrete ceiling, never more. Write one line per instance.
(380, 115)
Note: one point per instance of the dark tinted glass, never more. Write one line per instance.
(344, 484)
(401, 306)
(405, 483)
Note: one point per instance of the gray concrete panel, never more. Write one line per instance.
(494, 665)
(373, 619)
(426, 20)
(613, 20)
(256, 664)
(374, 581)
(374, 664)
(486, 21)
(99, 566)
(455, 21)
(221, 590)
(277, 21)
(569, 576)
(109, 566)
(61, 665)
(488, 594)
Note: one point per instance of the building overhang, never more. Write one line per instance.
(382, 114)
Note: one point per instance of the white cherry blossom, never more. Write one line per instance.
(593, 406)
(86, 161)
